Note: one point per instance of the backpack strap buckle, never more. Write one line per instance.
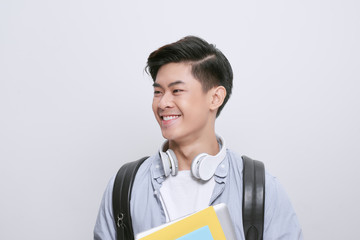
(120, 222)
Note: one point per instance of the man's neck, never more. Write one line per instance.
(186, 151)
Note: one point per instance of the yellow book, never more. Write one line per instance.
(202, 225)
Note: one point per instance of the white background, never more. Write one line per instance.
(75, 103)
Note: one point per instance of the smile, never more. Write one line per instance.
(167, 118)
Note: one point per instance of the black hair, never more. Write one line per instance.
(208, 64)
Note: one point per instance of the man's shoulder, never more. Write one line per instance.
(233, 156)
(236, 160)
(151, 168)
(153, 160)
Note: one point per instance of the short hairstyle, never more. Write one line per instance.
(208, 64)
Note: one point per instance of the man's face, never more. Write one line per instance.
(180, 105)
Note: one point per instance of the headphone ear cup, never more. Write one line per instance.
(165, 162)
(195, 165)
(173, 162)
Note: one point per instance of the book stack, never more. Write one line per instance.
(212, 223)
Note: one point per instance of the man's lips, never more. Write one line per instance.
(169, 117)
(166, 120)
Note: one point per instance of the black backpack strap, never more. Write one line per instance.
(121, 199)
(253, 198)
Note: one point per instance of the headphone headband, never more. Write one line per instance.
(203, 165)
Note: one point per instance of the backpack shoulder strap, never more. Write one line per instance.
(253, 198)
(121, 199)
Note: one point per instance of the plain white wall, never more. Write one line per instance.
(75, 103)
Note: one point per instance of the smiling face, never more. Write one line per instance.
(181, 107)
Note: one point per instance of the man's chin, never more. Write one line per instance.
(170, 136)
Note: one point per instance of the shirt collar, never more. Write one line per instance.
(157, 169)
(222, 170)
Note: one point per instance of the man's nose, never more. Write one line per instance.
(166, 101)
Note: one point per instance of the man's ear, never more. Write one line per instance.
(218, 95)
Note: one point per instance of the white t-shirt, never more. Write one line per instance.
(183, 194)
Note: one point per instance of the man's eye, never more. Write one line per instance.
(177, 90)
(156, 92)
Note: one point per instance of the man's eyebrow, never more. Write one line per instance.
(155, 84)
(176, 83)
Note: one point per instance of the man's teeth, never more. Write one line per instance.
(166, 118)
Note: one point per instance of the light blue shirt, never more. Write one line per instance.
(147, 212)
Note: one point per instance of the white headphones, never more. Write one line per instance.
(202, 167)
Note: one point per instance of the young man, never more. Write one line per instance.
(192, 83)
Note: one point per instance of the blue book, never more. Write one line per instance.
(199, 234)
